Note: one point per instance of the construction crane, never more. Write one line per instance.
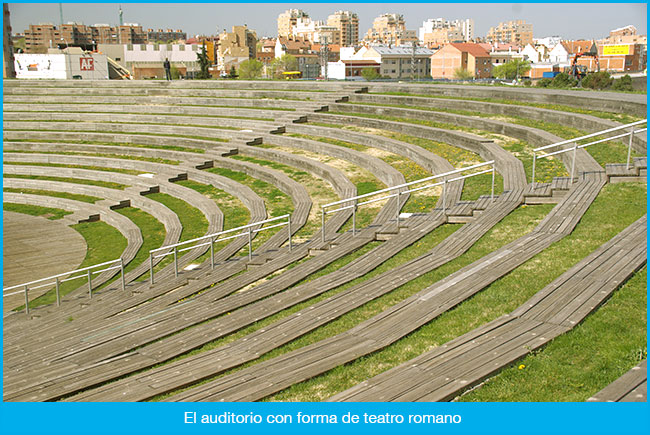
(580, 71)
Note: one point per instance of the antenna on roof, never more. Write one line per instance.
(61, 13)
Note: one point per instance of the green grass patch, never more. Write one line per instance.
(578, 364)
(192, 220)
(277, 202)
(337, 142)
(89, 182)
(153, 234)
(104, 243)
(73, 196)
(518, 223)
(36, 210)
(319, 190)
(235, 214)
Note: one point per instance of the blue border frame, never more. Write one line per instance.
(163, 418)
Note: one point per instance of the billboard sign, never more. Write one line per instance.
(86, 64)
(616, 50)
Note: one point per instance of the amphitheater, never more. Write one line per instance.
(459, 287)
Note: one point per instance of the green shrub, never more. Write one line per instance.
(462, 74)
(563, 80)
(544, 83)
(597, 80)
(370, 74)
(623, 84)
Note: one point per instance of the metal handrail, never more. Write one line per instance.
(210, 239)
(356, 203)
(58, 281)
(576, 146)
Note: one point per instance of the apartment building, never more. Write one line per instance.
(165, 36)
(40, 37)
(390, 29)
(235, 47)
(518, 32)
(289, 19)
(347, 25)
(439, 31)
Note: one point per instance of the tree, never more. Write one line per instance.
(233, 73)
(250, 69)
(511, 70)
(369, 74)
(204, 63)
(462, 74)
(285, 63)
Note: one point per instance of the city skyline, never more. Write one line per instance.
(574, 20)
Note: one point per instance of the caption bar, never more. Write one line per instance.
(192, 417)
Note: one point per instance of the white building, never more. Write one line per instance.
(61, 64)
(549, 41)
(465, 27)
(397, 62)
(559, 54)
(535, 53)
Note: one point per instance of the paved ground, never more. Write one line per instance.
(34, 248)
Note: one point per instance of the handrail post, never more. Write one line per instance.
(354, 218)
(122, 273)
(493, 174)
(151, 268)
(250, 244)
(534, 161)
(397, 208)
(444, 197)
(573, 164)
(289, 230)
(58, 297)
(212, 253)
(26, 301)
(90, 285)
(629, 149)
(322, 224)
(176, 261)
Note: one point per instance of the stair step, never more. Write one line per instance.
(538, 190)
(561, 183)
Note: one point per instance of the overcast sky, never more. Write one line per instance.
(569, 20)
